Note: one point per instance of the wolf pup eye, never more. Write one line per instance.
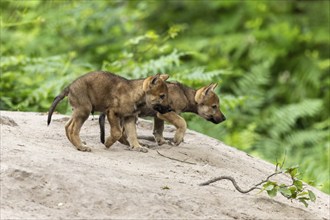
(162, 96)
(214, 106)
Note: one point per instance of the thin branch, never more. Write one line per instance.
(235, 183)
(175, 159)
(151, 138)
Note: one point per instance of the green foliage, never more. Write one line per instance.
(271, 61)
(29, 83)
(293, 191)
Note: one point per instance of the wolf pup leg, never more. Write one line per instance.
(130, 130)
(176, 120)
(73, 126)
(158, 130)
(116, 129)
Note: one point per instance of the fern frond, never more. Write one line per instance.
(230, 102)
(310, 137)
(198, 76)
(284, 118)
(161, 65)
(257, 77)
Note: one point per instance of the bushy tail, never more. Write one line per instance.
(101, 123)
(57, 99)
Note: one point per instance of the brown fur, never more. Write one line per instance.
(203, 102)
(118, 97)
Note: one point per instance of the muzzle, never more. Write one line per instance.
(217, 120)
(162, 109)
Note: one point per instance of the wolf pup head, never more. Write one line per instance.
(156, 92)
(208, 104)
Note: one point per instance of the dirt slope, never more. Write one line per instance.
(44, 177)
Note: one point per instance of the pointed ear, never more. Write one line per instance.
(214, 85)
(151, 80)
(164, 77)
(155, 78)
(200, 93)
(210, 87)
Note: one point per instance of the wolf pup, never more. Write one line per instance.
(203, 102)
(118, 97)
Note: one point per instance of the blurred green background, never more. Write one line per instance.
(271, 59)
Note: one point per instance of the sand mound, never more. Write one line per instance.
(44, 177)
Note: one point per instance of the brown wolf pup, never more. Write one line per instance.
(203, 102)
(118, 97)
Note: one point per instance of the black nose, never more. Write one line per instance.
(223, 118)
(162, 109)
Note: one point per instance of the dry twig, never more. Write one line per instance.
(151, 138)
(235, 183)
(175, 159)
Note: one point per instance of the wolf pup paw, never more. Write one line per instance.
(175, 142)
(146, 145)
(84, 148)
(139, 149)
(160, 141)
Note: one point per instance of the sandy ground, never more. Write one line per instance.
(44, 177)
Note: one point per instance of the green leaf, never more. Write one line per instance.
(292, 171)
(298, 184)
(311, 196)
(152, 35)
(302, 194)
(175, 30)
(272, 192)
(136, 40)
(303, 200)
(293, 190)
(165, 188)
(269, 185)
(285, 192)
